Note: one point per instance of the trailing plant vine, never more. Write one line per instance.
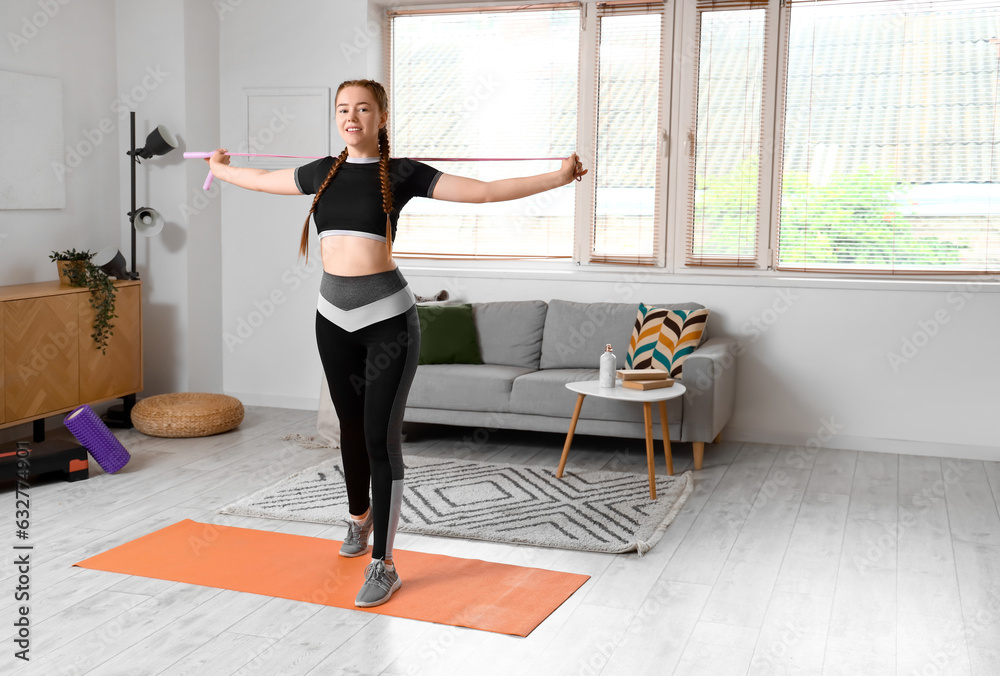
(102, 292)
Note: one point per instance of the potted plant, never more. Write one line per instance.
(76, 268)
(71, 258)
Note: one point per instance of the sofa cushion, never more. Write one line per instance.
(575, 333)
(466, 387)
(544, 393)
(510, 332)
(662, 339)
(448, 335)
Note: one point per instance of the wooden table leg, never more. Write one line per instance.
(647, 415)
(569, 435)
(666, 438)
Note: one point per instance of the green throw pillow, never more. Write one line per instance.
(448, 335)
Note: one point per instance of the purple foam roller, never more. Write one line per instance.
(95, 436)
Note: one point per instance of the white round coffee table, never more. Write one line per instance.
(646, 398)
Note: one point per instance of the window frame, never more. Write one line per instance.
(769, 180)
(677, 118)
(412, 7)
(587, 224)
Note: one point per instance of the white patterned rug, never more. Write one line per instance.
(596, 511)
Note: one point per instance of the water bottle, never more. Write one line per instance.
(608, 368)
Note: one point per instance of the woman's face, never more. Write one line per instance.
(359, 119)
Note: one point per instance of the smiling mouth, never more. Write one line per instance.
(352, 130)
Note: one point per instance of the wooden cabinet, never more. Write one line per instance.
(119, 370)
(49, 362)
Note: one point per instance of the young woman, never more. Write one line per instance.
(366, 320)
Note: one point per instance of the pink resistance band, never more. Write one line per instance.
(208, 179)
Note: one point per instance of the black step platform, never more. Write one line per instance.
(58, 453)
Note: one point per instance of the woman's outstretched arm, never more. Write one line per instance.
(460, 189)
(279, 182)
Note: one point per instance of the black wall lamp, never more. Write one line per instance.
(146, 220)
(111, 261)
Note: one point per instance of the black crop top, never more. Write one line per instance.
(352, 203)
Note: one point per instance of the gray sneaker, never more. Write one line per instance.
(379, 585)
(356, 542)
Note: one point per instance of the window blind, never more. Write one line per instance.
(628, 226)
(486, 83)
(890, 153)
(724, 145)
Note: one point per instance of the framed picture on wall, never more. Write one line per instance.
(33, 171)
(285, 121)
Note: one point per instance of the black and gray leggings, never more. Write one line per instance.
(369, 340)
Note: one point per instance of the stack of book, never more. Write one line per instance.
(644, 379)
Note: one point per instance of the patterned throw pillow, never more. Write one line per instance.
(663, 339)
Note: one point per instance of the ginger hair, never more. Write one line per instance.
(382, 101)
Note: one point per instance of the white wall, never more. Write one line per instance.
(76, 45)
(269, 294)
(201, 214)
(168, 62)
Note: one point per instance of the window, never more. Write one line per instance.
(845, 136)
(885, 156)
(489, 83)
(889, 161)
(725, 145)
(505, 82)
(626, 227)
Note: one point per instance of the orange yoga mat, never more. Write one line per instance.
(445, 589)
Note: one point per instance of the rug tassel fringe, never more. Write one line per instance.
(307, 442)
(643, 546)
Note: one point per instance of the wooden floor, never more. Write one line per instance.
(783, 561)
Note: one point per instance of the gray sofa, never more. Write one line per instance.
(531, 349)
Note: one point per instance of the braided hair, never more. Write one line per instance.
(382, 100)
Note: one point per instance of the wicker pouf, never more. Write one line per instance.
(187, 414)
